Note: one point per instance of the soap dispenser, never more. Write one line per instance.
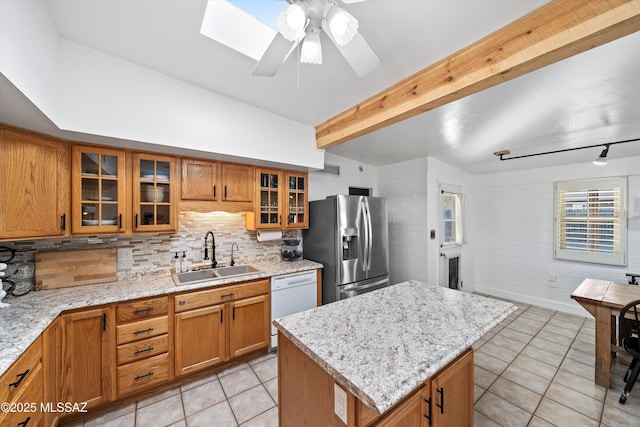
(177, 264)
(184, 266)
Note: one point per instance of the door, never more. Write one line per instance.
(200, 339)
(249, 325)
(35, 172)
(87, 357)
(451, 235)
(362, 229)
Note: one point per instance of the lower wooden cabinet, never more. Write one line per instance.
(413, 412)
(87, 348)
(200, 339)
(452, 393)
(217, 330)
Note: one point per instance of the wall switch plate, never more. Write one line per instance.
(552, 277)
(125, 255)
(340, 403)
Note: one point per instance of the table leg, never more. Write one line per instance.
(603, 346)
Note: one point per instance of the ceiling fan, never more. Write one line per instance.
(301, 22)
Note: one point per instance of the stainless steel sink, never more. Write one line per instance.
(212, 274)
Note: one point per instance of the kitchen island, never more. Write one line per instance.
(362, 360)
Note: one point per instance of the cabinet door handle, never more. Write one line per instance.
(441, 405)
(136, 220)
(120, 221)
(227, 295)
(143, 331)
(63, 227)
(233, 313)
(142, 310)
(137, 352)
(221, 318)
(225, 192)
(139, 377)
(21, 377)
(428, 414)
(104, 321)
(214, 191)
(280, 219)
(25, 423)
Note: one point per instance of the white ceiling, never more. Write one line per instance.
(588, 99)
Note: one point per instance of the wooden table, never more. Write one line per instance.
(604, 300)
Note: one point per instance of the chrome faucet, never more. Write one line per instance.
(237, 248)
(214, 263)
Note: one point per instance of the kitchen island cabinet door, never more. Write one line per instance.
(200, 339)
(452, 393)
(88, 342)
(410, 413)
(34, 172)
(250, 329)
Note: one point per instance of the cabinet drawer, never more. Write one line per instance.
(143, 329)
(215, 296)
(142, 309)
(142, 374)
(29, 394)
(142, 349)
(14, 379)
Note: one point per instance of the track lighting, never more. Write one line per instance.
(601, 160)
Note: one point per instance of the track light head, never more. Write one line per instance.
(602, 158)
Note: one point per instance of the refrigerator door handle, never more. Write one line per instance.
(369, 234)
(367, 286)
(365, 232)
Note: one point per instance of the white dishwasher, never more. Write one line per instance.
(291, 293)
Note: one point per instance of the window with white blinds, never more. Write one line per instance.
(591, 220)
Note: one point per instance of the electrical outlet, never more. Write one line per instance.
(552, 277)
(125, 255)
(340, 403)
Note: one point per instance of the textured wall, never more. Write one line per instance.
(156, 250)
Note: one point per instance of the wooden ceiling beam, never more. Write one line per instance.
(555, 31)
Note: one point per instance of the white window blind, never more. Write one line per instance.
(590, 220)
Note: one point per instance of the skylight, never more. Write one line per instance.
(247, 26)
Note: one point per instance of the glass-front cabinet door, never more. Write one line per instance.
(154, 201)
(269, 214)
(98, 190)
(296, 200)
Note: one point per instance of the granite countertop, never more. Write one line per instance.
(29, 315)
(382, 345)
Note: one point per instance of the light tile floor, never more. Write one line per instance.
(534, 369)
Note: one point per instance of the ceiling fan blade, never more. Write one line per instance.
(358, 54)
(274, 56)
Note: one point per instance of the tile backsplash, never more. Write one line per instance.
(156, 250)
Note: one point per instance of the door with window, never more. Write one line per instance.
(451, 235)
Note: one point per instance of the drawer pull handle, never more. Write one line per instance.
(25, 422)
(144, 331)
(182, 302)
(139, 377)
(137, 352)
(143, 310)
(227, 295)
(21, 377)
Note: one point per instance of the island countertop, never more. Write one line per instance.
(382, 345)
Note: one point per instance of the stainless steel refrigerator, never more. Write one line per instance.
(349, 235)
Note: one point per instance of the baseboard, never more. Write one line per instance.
(569, 308)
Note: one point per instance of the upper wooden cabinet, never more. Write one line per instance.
(199, 180)
(237, 182)
(34, 171)
(98, 190)
(210, 186)
(296, 200)
(155, 181)
(281, 200)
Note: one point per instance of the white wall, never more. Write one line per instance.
(352, 174)
(404, 185)
(84, 90)
(512, 216)
(442, 173)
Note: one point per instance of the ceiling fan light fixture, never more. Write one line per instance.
(342, 25)
(602, 158)
(292, 20)
(311, 48)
